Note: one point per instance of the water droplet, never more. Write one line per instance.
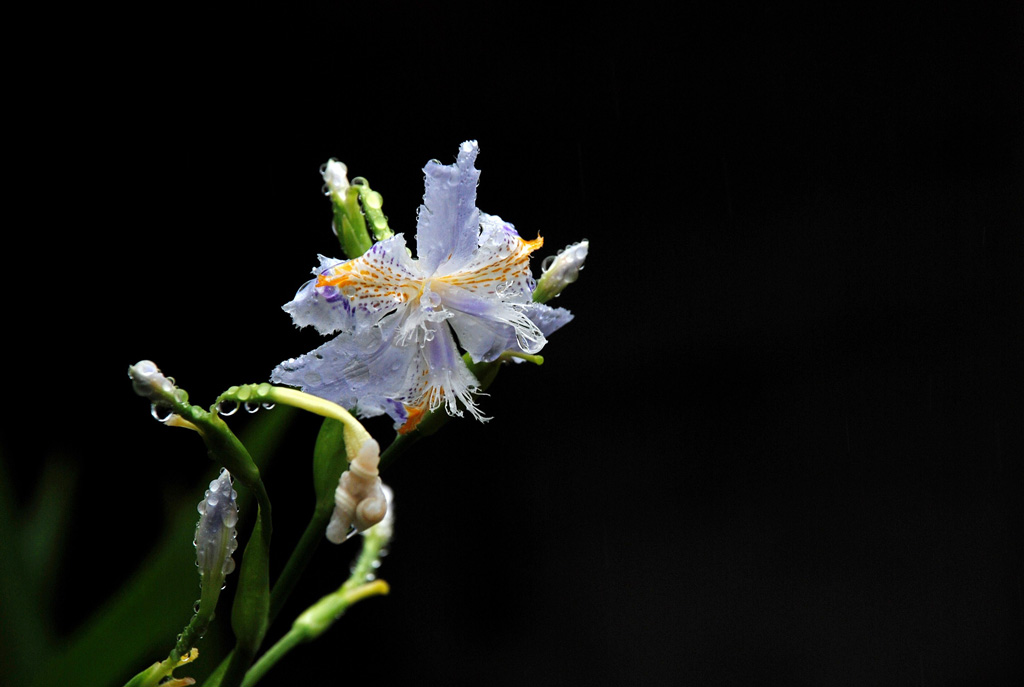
(181, 396)
(373, 200)
(213, 500)
(214, 485)
(359, 181)
(325, 189)
(546, 264)
(251, 406)
(244, 393)
(227, 408)
(268, 406)
(263, 389)
(161, 412)
(195, 607)
(230, 518)
(229, 565)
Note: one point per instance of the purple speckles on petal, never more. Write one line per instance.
(330, 293)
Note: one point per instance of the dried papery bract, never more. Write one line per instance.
(359, 500)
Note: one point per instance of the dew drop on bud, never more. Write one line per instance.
(160, 412)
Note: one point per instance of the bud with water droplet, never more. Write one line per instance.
(216, 536)
(149, 382)
(349, 223)
(560, 270)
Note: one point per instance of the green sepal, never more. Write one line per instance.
(372, 203)
(349, 224)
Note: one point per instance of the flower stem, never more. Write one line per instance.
(314, 622)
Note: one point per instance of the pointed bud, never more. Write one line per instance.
(335, 176)
(148, 381)
(560, 270)
(216, 536)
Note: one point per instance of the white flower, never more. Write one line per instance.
(399, 317)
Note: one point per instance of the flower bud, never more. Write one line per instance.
(560, 270)
(216, 536)
(335, 176)
(148, 381)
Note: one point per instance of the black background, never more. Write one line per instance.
(780, 443)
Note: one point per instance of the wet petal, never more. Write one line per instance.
(487, 326)
(363, 371)
(500, 266)
(486, 339)
(348, 294)
(448, 222)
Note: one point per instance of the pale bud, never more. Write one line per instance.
(216, 536)
(560, 270)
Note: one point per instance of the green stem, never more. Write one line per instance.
(314, 622)
(298, 561)
(274, 654)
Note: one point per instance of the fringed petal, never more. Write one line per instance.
(448, 222)
(362, 371)
(486, 339)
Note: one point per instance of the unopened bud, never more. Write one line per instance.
(335, 176)
(560, 270)
(216, 536)
(148, 381)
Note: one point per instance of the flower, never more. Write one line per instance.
(398, 317)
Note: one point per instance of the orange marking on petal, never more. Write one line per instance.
(415, 416)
